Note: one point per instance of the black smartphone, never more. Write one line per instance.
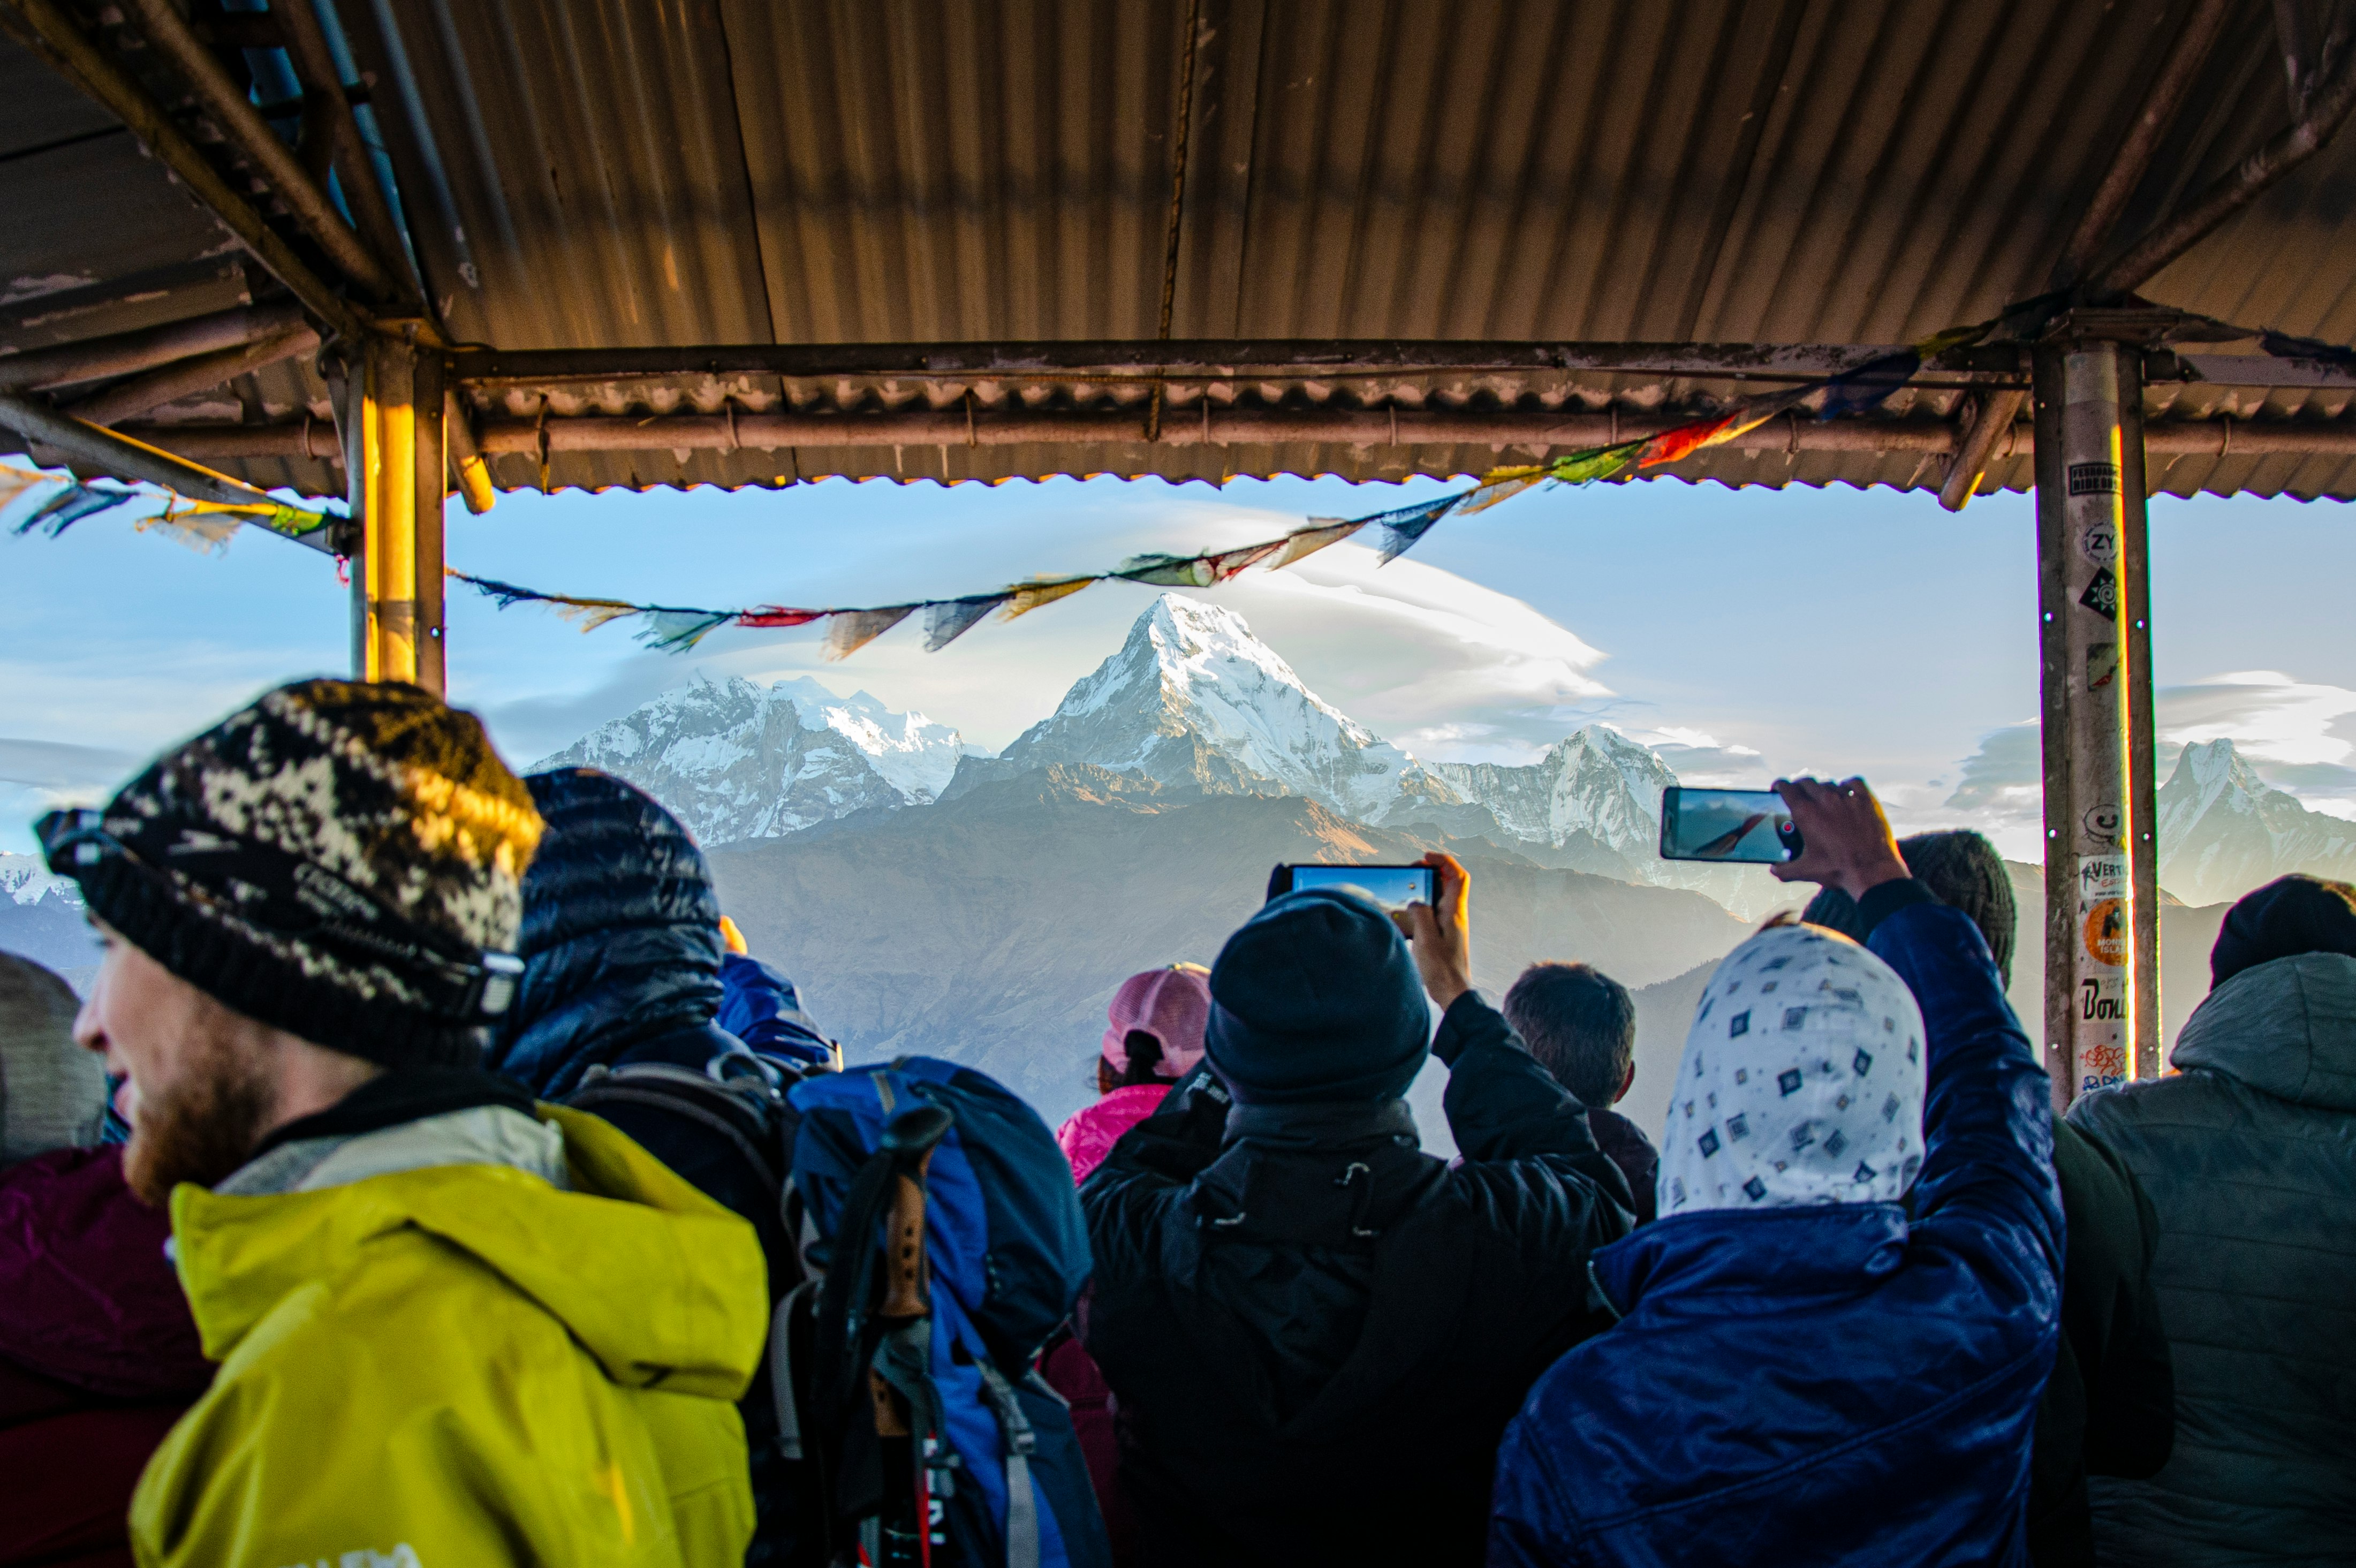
(1392, 886)
(1751, 827)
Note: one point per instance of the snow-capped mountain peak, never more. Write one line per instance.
(736, 760)
(25, 880)
(2223, 830)
(1192, 697)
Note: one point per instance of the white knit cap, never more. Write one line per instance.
(1802, 1081)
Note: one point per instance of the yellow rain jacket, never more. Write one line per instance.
(464, 1365)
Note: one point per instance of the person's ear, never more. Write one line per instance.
(1627, 1082)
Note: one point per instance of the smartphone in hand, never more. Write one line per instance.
(1392, 886)
(1740, 827)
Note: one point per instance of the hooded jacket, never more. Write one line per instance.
(462, 1362)
(1826, 1384)
(1316, 1331)
(2249, 1157)
(98, 1355)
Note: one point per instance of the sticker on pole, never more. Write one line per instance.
(2094, 479)
(2106, 932)
(2103, 823)
(2102, 594)
(2101, 876)
(2101, 665)
(2100, 543)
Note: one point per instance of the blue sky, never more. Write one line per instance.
(1747, 633)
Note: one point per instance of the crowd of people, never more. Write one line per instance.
(431, 1175)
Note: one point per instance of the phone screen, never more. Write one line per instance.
(1747, 826)
(1392, 886)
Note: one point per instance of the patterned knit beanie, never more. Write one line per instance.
(1802, 1083)
(341, 860)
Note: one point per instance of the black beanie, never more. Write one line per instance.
(2289, 916)
(1316, 998)
(343, 860)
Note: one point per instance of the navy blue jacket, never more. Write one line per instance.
(1832, 1385)
(759, 1005)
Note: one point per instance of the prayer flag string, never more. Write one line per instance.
(1394, 532)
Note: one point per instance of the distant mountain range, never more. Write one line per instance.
(1193, 701)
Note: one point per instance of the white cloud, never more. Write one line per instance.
(2269, 717)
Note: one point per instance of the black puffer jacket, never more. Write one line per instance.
(621, 949)
(1316, 1333)
(621, 939)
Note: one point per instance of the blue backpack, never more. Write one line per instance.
(913, 1390)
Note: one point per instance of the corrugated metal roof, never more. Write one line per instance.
(601, 173)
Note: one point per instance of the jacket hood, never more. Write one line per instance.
(2286, 1027)
(659, 1284)
(621, 932)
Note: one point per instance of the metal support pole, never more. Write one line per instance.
(2098, 976)
(397, 488)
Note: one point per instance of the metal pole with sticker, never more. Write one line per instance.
(2092, 987)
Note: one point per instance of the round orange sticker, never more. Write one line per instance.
(2106, 932)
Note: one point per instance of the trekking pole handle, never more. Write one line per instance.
(910, 1139)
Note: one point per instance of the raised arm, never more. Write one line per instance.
(1988, 1121)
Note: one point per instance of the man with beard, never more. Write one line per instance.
(454, 1325)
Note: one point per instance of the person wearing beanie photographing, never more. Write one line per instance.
(1316, 1331)
(1832, 1343)
(452, 1324)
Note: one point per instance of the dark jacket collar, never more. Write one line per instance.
(403, 1094)
(1831, 1250)
(1323, 1124)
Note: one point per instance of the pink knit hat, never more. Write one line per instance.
(1171, 1005)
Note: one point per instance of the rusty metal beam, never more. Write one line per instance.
(2328, 109)
(279, 166)
(2133, 158)
(325, 96)
(1198, 359)
(74, 440)
(184, 377)
(315, 438)
(45, 28)
(129, 353)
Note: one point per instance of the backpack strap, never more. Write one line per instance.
(1023, 1546)
(697, 1096)
(781, 1367)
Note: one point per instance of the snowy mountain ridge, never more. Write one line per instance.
(1193, 701)
(1192, 698)
(736, 760)
(25, 881)
(2223, 830)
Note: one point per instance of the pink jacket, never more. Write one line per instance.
(1091, 1131)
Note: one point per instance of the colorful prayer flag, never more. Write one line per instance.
(848, 631)
(952, 619)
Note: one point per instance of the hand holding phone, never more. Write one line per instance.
(1440, 933)
(1849, 844)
